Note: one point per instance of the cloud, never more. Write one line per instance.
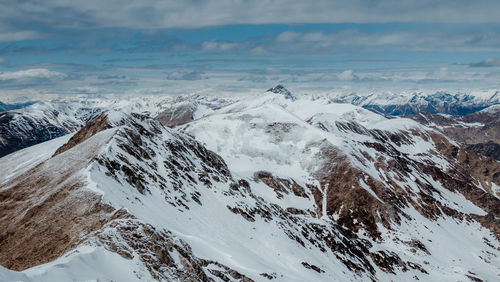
(185, 75)
(347, 75)
(254, 78)
(31, 74)
(317, 42)
(10, 36)
(216, 46)
(150, 14)
(490, 62)
(30, 78)
(111, 76)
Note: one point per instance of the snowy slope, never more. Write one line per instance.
(269, 187)
(44, 121)
(406, 103)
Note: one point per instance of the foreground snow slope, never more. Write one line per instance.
(270, 187)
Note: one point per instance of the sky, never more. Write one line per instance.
(52, 48)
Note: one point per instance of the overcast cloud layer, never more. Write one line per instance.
(214, 46)
(200, 13)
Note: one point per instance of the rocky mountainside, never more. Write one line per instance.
(269, 188)
(413, 103)
(480, 130)
(23, 125)
(45, 121)
(41, 122)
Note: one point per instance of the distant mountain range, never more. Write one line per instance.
(434, 103)
(8, 107)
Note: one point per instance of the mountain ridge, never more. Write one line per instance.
(262, 188)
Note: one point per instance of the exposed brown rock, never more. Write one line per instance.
(175, 116)
(487, 149)
(479, 127)
(45, 212)
(313, 267)
(280, 185)
(98, 124)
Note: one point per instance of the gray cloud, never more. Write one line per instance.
(149, 14)
(111, 76)
(320, 42)
(185, 75)
(490, 62)
(10, 36)
(316, 42)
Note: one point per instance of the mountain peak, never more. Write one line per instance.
(280, 89)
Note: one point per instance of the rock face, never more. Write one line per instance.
(177, 115)
(18, 132)
(280, 89)
(488, 149)
(267, 188)
(41, 122)
(480, 131)
(182, 110)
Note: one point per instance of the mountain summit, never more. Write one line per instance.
(280, 89)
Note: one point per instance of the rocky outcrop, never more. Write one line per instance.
(489, 149)
(281, 90)
(176, 115)
(475, 128)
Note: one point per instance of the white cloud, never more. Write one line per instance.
(216, 46)
(489, 62)
(287, 36)
(31, 74)
(18, 35)
(347, 75)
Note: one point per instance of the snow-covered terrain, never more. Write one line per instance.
(272, 187)
(44, 121)
(407, 103)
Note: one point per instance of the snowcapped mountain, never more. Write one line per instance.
(403, 104)
(37, 122)
(41, 122)
(9, 107)
(273, 187)
(480, 130)
(44, 121)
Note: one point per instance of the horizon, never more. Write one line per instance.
(55, 49)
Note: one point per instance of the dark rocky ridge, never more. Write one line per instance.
(478, 131)
(14, 137)
(489, 149)
(21, 129)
